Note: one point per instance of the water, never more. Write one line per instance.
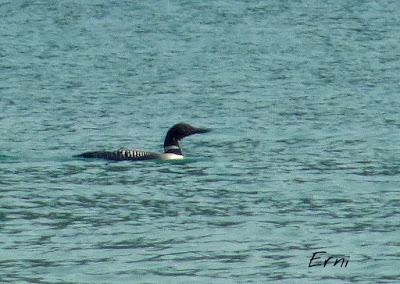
(303, 100)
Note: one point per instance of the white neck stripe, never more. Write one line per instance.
(172, 147)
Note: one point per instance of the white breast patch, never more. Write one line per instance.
(171, 156)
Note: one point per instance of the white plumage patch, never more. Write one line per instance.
(170, 156)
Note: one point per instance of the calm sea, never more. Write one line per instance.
(304, 156)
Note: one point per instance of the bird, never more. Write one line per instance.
(172, 149)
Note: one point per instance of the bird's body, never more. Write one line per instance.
(172, 149)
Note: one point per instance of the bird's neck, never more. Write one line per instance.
(171, 145)
(173, 150)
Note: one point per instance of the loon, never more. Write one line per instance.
(172, 149)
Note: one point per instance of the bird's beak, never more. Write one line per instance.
(201, 130)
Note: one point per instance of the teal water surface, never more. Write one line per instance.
(302, 98)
